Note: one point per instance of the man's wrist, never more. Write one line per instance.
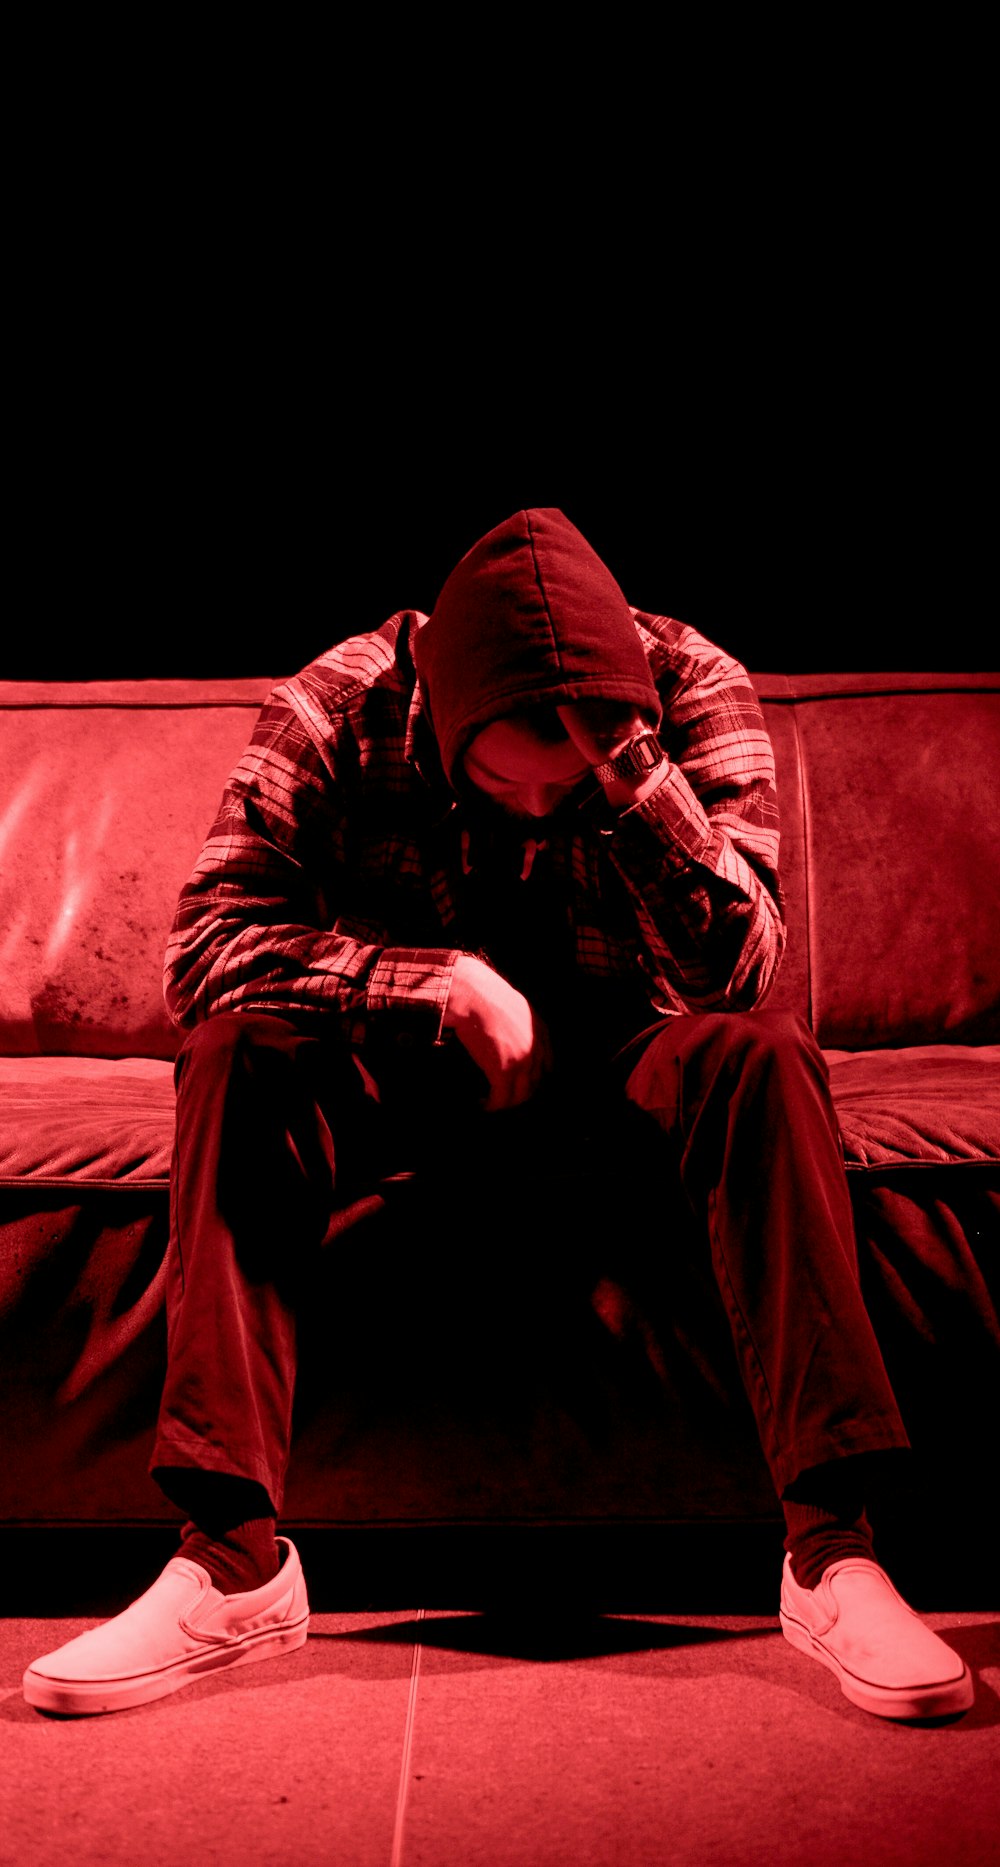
(632, 769)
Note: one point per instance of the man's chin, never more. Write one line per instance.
(563, 817)
(524, 821)
(495, 810)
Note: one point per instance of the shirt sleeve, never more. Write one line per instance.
(256, 925)
(699, 856)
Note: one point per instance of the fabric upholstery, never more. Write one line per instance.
(925, 1105)
(91, 1121)
(86, 1121)
(106, 792)
(82, 1348)
(892, 884)
(929, 1250)
(614, 1399)
(569, 1400)
(903, 838)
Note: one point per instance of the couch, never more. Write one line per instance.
(530, 1386)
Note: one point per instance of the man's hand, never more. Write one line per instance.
(599, 728)
(503, 1035)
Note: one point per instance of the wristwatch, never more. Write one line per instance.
(635, 760)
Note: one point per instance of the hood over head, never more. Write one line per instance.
(529, 614)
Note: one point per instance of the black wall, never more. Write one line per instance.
(202, 540)
(284, 348)
(252, 426)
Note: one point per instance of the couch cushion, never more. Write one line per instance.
(921, 1107)
(96, 1121)
(109, 1121)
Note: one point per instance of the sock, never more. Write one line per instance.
(230, 1529)
(242, 1557)
(826, 1520)
(817, 1537)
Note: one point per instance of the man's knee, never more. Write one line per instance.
(764, 1035)
(718, 1046)
(229, 1042)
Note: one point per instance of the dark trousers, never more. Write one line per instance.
(280, 1128)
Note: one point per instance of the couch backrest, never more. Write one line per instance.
(107, 790)
(889, 789)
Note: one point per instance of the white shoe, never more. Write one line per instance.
(886, 1658)
(181, 1628)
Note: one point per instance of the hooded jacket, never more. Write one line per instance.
(334, 880)
(529, 614)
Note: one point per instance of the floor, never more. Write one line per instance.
(431, 1738)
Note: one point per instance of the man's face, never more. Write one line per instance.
(527, 776)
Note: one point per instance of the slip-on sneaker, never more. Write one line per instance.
(181, 1628)
(885, 1657)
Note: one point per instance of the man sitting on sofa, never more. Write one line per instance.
(497, 879)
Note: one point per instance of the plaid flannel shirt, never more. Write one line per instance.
(332, 876)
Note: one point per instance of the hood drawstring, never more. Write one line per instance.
(530, 849)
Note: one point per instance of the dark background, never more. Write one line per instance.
(204, 536)
(276, 367)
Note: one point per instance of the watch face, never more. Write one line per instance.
(640, 756)
(646, 752)
(635, 759)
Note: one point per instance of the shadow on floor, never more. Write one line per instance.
(542, 1634)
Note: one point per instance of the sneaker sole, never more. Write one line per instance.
(945, 1698)
(82, 1697)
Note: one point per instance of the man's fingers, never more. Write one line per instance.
(501, 1031)
(597, 726)
(514, 1086)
